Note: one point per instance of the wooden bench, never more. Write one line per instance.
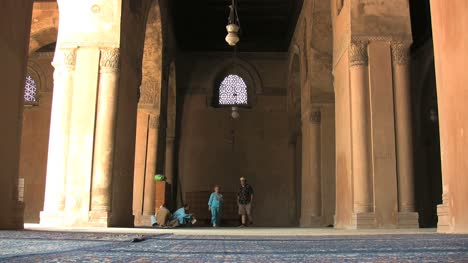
(198, 202)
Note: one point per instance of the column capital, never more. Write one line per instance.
(110, 59)
(401, 53)
(358, 53)
(64, 57)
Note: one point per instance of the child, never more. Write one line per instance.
(214, 205)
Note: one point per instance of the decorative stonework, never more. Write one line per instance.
(315, 116)
(110, 59)
(401, 53)
(65, 57)
(358, 54)
(148, 94)
(154, 121)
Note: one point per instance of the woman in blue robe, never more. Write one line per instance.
(214, 205)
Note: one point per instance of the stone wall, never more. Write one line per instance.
(216, 149)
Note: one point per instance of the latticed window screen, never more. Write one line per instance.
(30, 91)
(233, 91)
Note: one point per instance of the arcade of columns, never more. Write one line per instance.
(91, 158)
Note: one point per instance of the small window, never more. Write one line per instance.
(30, 91)
(233, 91)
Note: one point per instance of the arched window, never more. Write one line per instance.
(30, 91)
(233, 91)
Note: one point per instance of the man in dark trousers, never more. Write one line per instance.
(244, 201)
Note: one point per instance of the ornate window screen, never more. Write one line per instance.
(233, 91)
(30, 91)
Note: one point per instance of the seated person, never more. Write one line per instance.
(182, 218)
(162, 217)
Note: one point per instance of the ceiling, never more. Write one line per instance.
(266, 25)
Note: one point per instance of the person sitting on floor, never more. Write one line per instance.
(183, 217)
(162, 217)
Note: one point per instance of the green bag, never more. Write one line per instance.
(159, 178)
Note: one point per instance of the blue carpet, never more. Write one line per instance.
(30, 246)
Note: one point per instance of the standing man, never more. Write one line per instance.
(244, 201)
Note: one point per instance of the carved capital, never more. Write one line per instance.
(110, 59)
(358, 54)
(315, 116)
(154, 121)
(401, 53)
(64, 58)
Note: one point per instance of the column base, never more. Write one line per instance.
(443, 224)
(99, 218)
(53, 219)
(142, 220)
(12, 218)
(311, 221)
(363, 221)
(408, 220)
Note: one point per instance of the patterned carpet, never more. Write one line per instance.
(31, 246)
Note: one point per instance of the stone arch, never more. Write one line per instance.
(42, 38)
(44, 26)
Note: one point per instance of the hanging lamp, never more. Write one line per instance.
(233, 26)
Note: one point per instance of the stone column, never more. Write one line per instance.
(169, 166)
(101, 192)
(64, 64)
(151, 155)
(403, 124)
(15, 25)
(311, 182)
(359, 81)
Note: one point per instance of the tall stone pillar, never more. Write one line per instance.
(403, 128)
(311, 194)
(169, 166)
(151, 161)
(450, 28)
(101, 188)
(54, 204)
(14, 52)
(359, 92)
